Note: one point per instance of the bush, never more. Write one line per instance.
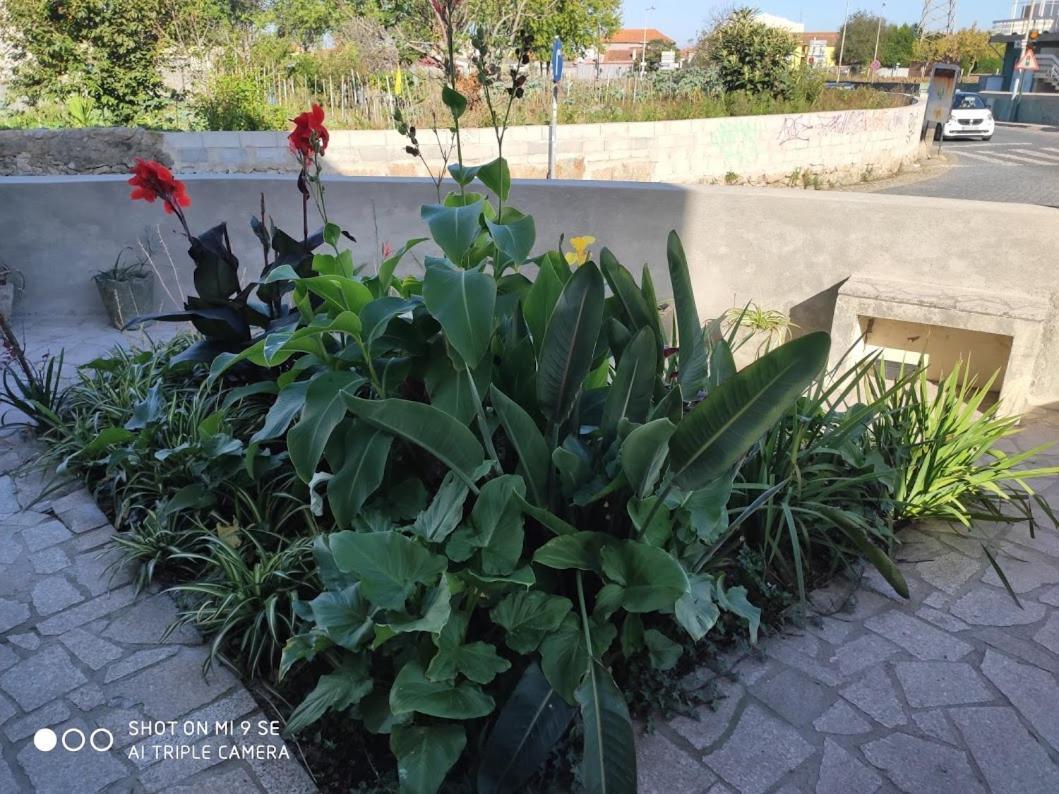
(232, 102)
(751, 56)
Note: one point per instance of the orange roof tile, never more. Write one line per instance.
(636, 36)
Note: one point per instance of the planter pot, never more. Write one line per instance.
(7, 300)
(127, 298)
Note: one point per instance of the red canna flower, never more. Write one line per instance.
(309, 136)
(152, 180)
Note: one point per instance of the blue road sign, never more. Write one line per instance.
(557, 60)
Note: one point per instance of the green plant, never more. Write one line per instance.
(945, 442)
(234, 102)
(245, 594)
(751, 56)
(731, 178)
(36, 392)
(124, 271)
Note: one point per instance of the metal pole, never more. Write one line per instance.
(1016, 81)
(842, 46)
(643, 52)
(551, 132)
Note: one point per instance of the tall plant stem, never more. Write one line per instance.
(483, 425)
(584, 618)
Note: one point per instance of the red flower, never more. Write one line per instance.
(151, 180)
(309, 136)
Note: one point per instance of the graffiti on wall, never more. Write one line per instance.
(806, 127)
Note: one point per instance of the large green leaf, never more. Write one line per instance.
(696, 610)
(528, 616)
(527, 728)
(344, 616)
(565, 656)
(570, 342)
(496, 176)
(523, 434)
(288, 404)
(436, 613)
(388, 565)
(650, 579)
(514, 237)
(445, 511)
(366, 450)
(478, 661)
(734, 415)
(336, 691)
(412, 691)
(324, 409)
(425, 754)
(462, 301)
(495, 526)
(580, 550)
(539, 303)
(692, 370)
(643, 454)
(663, 652)
(609, 763)
(635, 310)
(426, 427)
(454, 229)
(630, 393)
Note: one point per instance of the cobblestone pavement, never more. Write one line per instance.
(82, 655)
(1018, 164)
(952, 691)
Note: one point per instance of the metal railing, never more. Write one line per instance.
(1020, 27)
(1049, 68)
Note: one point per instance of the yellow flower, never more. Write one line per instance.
(580, 254)
(398, 82)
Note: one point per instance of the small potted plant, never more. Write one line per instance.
(11, 283)
(126, 288)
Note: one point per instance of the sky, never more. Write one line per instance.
(682, 19)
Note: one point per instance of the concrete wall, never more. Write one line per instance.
(1032, 109)
(843, 146)
(787, 250)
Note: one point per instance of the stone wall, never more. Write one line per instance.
(806, 149)
(81, 151)
(802, 149)
(789, 250)
(1032, 109)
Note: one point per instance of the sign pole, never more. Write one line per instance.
(557, 75)
(1016, 81)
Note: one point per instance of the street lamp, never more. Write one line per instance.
(643, 52)
(842, 46)
(878, 34)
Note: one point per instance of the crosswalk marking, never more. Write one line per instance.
(986, 159)
(1006, 158)
(1049, 149)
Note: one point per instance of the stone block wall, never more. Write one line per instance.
(81, 151)
(805, 148)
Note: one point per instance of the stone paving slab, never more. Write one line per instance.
(955, 690)
(80, 654)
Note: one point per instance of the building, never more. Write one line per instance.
(1041, 21)
(818, 49)
(621, 53)
(774, 21)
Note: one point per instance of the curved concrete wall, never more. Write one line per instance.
(788, 250)
(835, 147)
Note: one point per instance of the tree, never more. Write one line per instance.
(898, 44)
(581, 24)
(967, 47)
(305, 21)
(653, 53)
(856, 40)
(106, 50)
(750, 55)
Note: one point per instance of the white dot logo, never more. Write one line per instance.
(45, 740)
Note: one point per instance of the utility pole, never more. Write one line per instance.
(643, 52)
(842, 46)
(1016, 80)
(878, 35)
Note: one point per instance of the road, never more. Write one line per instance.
(1018, 164)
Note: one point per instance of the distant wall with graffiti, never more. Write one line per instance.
(803, 150)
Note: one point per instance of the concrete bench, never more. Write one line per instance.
(992, 331)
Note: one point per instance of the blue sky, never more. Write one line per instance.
(682, 19)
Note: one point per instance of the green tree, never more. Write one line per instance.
(750, 55)
(305, 21)
(106, 50)
(580, 24)
(898, 44)
(858, 35)
(966, 47)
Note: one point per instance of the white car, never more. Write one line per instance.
(970, 118)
